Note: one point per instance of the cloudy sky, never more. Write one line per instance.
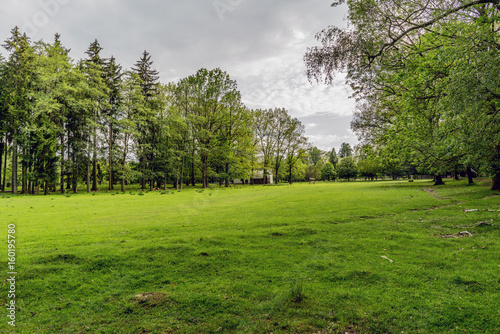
(260, 43)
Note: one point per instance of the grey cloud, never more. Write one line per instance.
(260, 43)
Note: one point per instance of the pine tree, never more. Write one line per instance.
(113, 75)
(147, 122)
(19, 76)
(93, 68)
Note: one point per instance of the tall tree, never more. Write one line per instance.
(345, 150)
(19, 75)
(93, 68)
(3, 122)
(147, 123)
(50, 94)
(264, 133)
(214, 96)
(112, 114)
(296, 146)
(333, 158)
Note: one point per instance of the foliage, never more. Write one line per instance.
(328, 172)
(345, 150)
(419, 73)
(347, 168)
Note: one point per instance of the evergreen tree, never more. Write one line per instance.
(97, 100)
(345, 150)
(3, 123)
(19, 76)
(147, 122)
(333, 158)
(112, 114)
(50, 92)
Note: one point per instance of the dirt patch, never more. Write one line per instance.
(432, 192)
(438, 207)
(346, 330)
(151, 299)
(464, 234)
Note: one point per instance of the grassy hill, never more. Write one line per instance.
(381, 257)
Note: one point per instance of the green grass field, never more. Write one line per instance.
(381, 257)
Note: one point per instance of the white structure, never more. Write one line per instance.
(258, 178)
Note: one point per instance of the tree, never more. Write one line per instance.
(434, 43)
(19, 75)
(214, 97)
(132, 104)
(333, 158)
(315, 155)
(51, 91)
(97, 98)
(347, 168)
(264, 134)
(3, 124)
(345, 150)
(369, 162)
(112, 114)
(147, 122)
(328, 172)
(296, 145)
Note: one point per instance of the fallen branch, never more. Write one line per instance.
(385, 257)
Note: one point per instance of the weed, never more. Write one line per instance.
(297, 291)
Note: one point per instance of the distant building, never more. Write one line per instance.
(258, 178)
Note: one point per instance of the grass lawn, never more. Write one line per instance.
(381, 257)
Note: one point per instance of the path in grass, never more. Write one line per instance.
(305, 258)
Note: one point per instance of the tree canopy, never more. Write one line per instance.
(425, 75)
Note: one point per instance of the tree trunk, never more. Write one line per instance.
(24, 174)
(68, 174)
(74, 178)
(227, 175)
(14, 165)
(182, 169)
(5, 164)
(193, 181)
(496, 181)
(110, 158)
(88, 169)
(290, 176)
(46, 188)
(62, 164)
(438, 180)
(165, 176)
(2, 148)
(143, 184)
(124, 165)
(30, 182)
(152, 180)
(469, 175)
(265, 174)
(94, 155)
(204, 165)
(456, 174)
(166, 167)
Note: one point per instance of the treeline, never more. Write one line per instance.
(65, 123)
(426, 77)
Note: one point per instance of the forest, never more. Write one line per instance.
(66, 123)
(426, 78)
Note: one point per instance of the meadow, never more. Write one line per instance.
(339, 257)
